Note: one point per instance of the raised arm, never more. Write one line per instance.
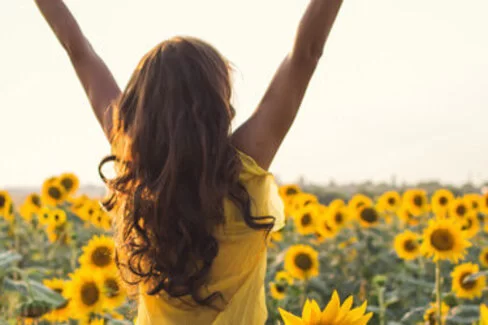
(263, 133)
(96, 78)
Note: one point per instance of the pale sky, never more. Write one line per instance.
(402, 88)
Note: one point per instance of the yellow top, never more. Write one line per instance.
(239, 269)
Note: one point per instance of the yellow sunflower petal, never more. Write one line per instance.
(289, 318)
(331, 311)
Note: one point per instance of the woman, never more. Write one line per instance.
(194, 201)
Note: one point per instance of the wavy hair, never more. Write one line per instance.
(175, 165)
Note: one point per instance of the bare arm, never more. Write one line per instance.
(96, 78)
(263, 133)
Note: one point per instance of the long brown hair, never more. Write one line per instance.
(175, 166)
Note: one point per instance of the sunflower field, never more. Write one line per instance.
(408, 257)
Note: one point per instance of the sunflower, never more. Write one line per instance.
(301, 262)
(26, 213)
(97, 218)
(9, 212)
(430, 315)
(306, 219)
(69, 182)
(474, 201)
(484, 204)
(389, 202)
(406, 217)
(278, 289)
(443, 239)
(333, 313)
(53, 193)
(459, 208)
(407, 245)
(276, 237)
(368, 216)
(58, 234)
(464, 286)
(470, 225)
(5, 199)
(337, 203)
(60, 314)
(31, 206)
(114, 293)
(483, 315)
(325, 228)
(87, 210)
(301, 200)
(337, 216)
(85, 291)
(440, 202)
(416, 202)
(483, 257)
(78, 202)
(358, 201)
(45, 216)
(98, 254)
(289, 190)
(58, 217)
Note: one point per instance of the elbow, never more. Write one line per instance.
(76, 52)
(310, 55)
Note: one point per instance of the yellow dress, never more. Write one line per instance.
(238, 271)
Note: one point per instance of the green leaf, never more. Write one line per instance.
(9, 258)
(39, 291)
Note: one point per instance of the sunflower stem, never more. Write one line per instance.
(438, 280)
(381, 301)
(303, 296)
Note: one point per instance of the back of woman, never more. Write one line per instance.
(192, 199)
(239, 269)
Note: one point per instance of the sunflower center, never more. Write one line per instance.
(54, 192)
(2, 201)
(461, 210)
(391, 201)
(67, 183)
(339, 218)
(45, 216)
(442, 240)
(291, 191)
(89, 294)
(418, 201)
(90, 212)
(467, 285)
(101, 256)
(410, 245)
(467, 225)
(369, 215)
(56, 217)
(303, 262)
(280, 288)
(58, 290)
(36, 200)
(112, 287)
(306, 219)
(307, 203)
(443, 200)
(327, 227)
(432, 320)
